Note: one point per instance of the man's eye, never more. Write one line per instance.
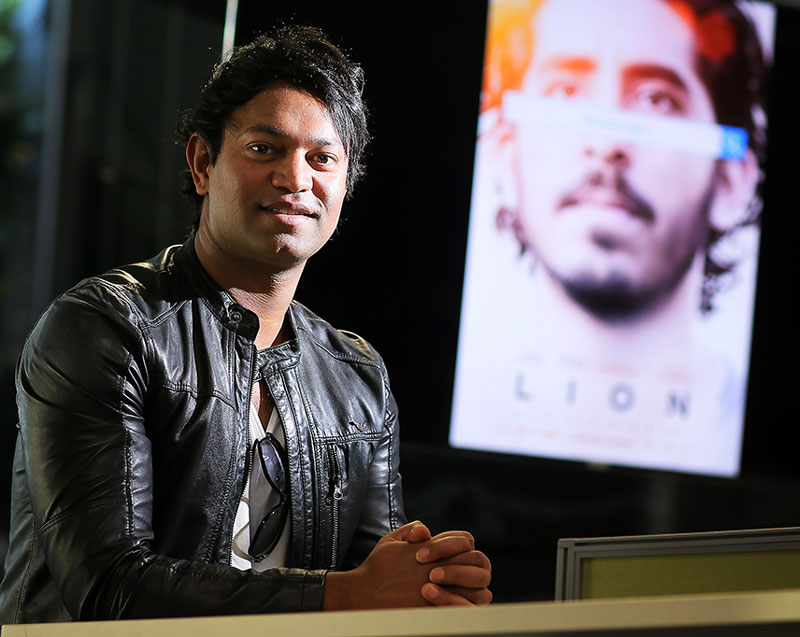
(261, 149)
(657, 101)
(325, 159)
(563, 89)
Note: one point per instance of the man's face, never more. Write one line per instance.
(276, 189)
(616, 223)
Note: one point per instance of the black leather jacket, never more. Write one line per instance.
(133, 393)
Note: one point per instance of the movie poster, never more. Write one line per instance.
(614, 230)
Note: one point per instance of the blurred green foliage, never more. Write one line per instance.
(14, 147)
(9, 111)
(10, 117)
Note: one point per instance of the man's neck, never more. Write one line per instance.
(267, 294)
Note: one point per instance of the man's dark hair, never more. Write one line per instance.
(299, 56)
(734, 74)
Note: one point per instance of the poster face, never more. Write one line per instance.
(611, 260)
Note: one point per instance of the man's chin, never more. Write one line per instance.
(613, 301)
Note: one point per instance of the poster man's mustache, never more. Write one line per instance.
(610, 191)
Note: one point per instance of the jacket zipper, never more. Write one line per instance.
(336, 483)
(247, 459)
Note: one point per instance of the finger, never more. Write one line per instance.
(439, 596)
(444, 546)
(478, 596)
(469, 558)
(464, 576)
(415, 529)
(447, 534)
(420, 533)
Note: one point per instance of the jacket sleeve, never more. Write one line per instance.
(81, 387)
(383, 509)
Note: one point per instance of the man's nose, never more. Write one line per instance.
(603, 151)
(605, 155)
(292, 173)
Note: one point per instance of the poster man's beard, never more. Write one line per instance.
(616, 297)
(612, 300)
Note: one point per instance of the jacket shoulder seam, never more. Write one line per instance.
(342, 356)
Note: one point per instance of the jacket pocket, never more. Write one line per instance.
(346, 478)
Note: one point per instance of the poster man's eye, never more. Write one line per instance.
(658, 100)
(562, 89)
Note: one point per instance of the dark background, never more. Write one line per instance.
(89, 180)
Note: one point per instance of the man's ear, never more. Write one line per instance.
(198, 156)
(735, 187)
(503, 147)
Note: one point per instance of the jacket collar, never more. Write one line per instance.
(236, 317)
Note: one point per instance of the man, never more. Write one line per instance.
(193, 441)
(620, 170)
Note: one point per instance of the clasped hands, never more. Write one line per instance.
(409, 567)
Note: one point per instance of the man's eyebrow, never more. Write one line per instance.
(654, 71)
(569, 63)
(277, 131)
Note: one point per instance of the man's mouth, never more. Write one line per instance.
(287, 208)
(619, 196)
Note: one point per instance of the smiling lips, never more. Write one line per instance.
(288, 208)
